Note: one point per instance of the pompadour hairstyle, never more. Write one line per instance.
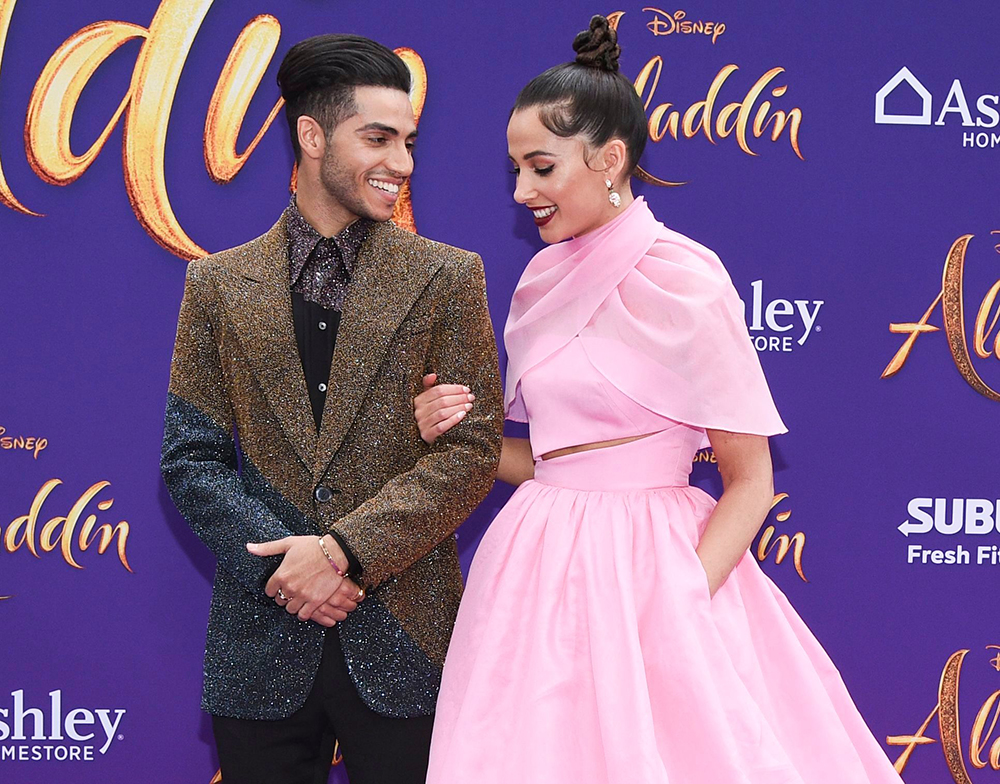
(318, 76)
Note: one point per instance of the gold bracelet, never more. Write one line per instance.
(329, 557)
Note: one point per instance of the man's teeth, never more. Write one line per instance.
(388, 187)
(543, 213)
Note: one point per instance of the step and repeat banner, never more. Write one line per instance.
(841, 158)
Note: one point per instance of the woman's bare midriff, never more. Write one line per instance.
(570, 450)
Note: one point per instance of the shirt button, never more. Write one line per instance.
(323, 494)
(322, 325)
(322, 387)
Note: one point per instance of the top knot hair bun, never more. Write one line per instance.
(598, 46)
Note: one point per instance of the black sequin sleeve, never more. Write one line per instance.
(416, 510)
(198, 458)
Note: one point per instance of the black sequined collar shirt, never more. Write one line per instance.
(320, 270)
(321, 267)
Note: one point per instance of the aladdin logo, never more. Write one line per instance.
(28, 734)
(963, 746)
(970, 516)
(146, 106)
(784, 323)
(951, 298)
(71, 534)
(678, 23)
(748, 118)
(955, 106)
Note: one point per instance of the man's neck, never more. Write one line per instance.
(324, 214)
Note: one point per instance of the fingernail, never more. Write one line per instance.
(471, 398)
(251, 546)
(466, 389)
(468, 406)
(460, 414)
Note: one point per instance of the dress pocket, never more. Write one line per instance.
(703, 577)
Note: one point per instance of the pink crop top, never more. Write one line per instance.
(569, 403)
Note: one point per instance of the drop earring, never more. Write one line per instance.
(613, 197)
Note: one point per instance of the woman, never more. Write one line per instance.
(614, 627)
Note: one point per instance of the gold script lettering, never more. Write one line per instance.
(240, 77)
(698, 117)
(146, 107)
(56, 94)
(7, 198)
(58, 532)
(952, 301)
(402, 215)
(946, 711)
(783, 543)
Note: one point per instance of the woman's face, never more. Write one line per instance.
(566, 197)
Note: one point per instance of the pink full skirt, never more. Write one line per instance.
(588, 650)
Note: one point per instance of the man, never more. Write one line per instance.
(338, 577)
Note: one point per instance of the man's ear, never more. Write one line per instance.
(312, 139)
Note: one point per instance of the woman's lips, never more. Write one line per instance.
(543, 215)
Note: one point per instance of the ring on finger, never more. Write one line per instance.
(359, 595)
(281, 595)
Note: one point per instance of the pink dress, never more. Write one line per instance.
(587, 648)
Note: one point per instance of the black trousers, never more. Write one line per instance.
(299, 749)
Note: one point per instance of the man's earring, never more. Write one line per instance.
(613, 197)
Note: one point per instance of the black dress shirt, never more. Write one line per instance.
(320, 270)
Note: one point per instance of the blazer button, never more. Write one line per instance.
(323, 494)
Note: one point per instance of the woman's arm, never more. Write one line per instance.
(439, 408)
(748, 490)
(516, 461)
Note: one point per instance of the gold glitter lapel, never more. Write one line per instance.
(390, 275)
(258, 304)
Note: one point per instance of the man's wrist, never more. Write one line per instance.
(353, 565)
(331, 550)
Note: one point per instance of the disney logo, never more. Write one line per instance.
(32, 444)
(677, 22)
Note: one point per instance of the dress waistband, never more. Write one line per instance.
(660, 460)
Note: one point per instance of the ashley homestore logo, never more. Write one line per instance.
(55, 731)
(909, 93)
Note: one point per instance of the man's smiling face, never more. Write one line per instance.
(369, 155)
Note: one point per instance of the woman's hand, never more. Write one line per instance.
(439, 408)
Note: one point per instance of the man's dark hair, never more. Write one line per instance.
(318, 76)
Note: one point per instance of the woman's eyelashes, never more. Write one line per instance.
(540, 172)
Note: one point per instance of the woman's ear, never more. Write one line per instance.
(614, 158)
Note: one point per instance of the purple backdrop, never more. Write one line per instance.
(828, 247)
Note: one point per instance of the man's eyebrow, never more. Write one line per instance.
(386, 129)
(377, 126)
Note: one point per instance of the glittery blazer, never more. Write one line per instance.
(243, 462)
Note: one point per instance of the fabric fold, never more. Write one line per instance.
(658, 316)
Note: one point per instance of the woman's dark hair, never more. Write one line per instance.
(318, 76)
(590, 96)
